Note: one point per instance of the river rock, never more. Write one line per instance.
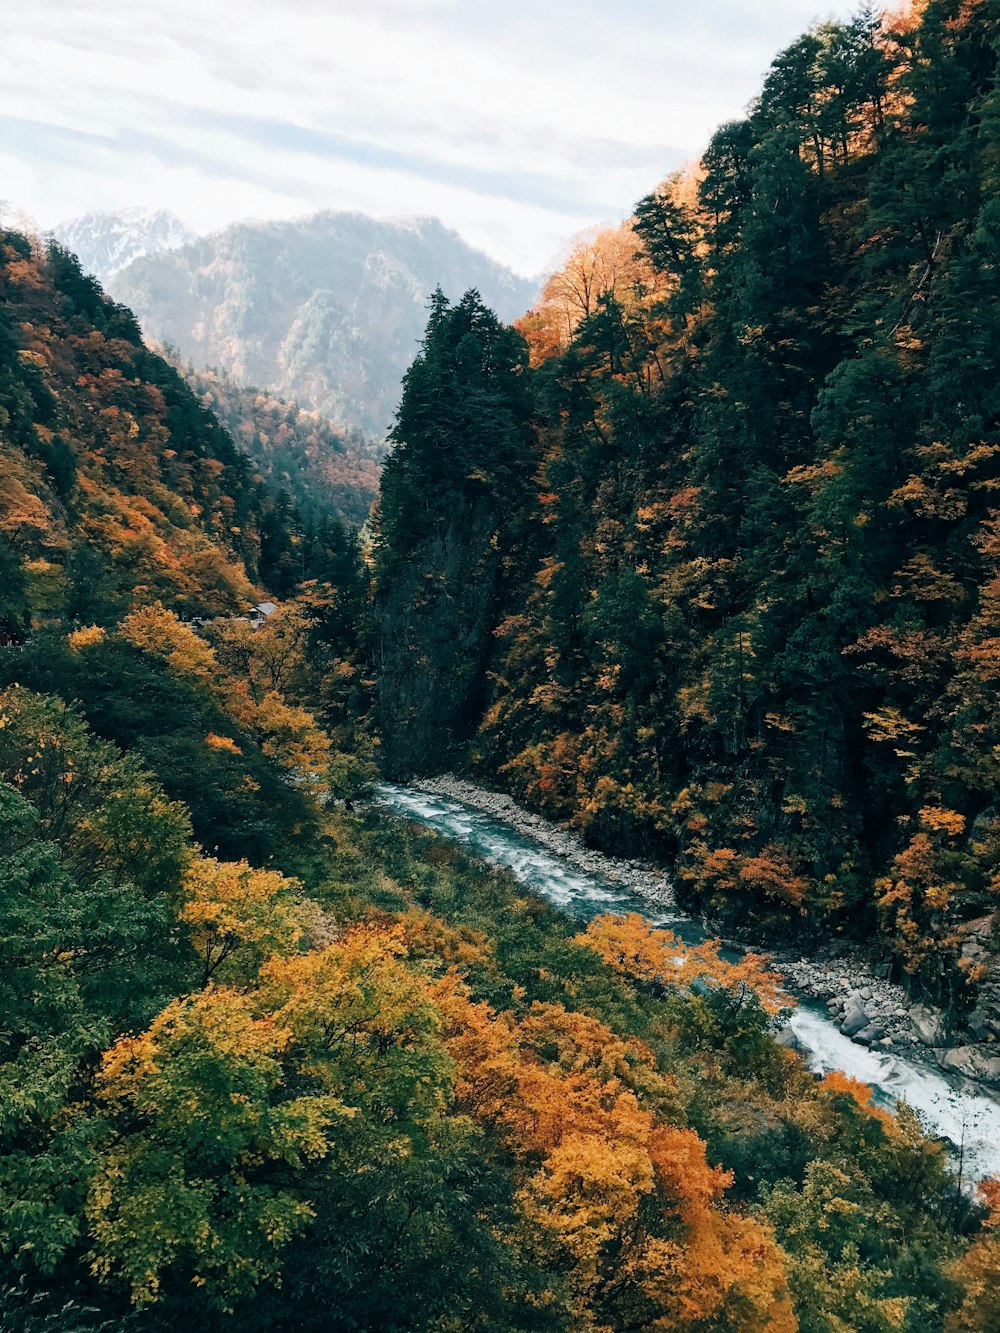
(855, 1020)
(926, 1024)
(786, 1037)
(869, 1035)
(973, 1062)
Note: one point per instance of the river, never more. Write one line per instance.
(948, 1107)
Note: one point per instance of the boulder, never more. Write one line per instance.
(979, 1023)
(855, 1019)
(869, 1035)
(786, 1037)
(957, 1059)
(926, 1024)
(973, 1062)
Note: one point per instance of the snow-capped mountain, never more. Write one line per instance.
(107, 242)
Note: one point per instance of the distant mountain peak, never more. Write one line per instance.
(327, 309)
(108, 242)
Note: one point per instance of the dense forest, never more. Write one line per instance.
(743, 558)
(323, 469)
(113, 480)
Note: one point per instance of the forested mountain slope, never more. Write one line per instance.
(114, 482)
(751, 619)
(325, 310)
(324, 469)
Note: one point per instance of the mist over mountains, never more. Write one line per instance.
(327, 310)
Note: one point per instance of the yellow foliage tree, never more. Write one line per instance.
(292, 737)
(978, 1273)
(217, 1109)
(643, 952)
(606, 263)
(268, 659)
(611, 1194)
(240, 916)
(162, 634)
(202, 1090)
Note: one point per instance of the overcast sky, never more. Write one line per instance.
(517, 123)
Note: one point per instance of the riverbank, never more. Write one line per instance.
(642, 877)
(953, 1109)
(869, 1009)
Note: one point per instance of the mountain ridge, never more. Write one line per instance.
(326, 310)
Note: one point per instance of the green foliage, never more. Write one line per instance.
(753, 585)
(326, 470)
(460, 431)
(238, 803)
(720, 576)
(72, 949)
(444, 536)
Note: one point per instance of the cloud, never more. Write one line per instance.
(516, 123)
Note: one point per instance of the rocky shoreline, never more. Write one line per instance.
(877, 1013)
(867, 1007)
(643, 877)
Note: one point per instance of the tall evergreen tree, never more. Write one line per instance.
(460, 469)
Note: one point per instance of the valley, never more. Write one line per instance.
(500, 782)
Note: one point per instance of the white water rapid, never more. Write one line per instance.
(948, 1107)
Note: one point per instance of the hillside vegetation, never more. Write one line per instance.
(324, 470)
(114, 482)
(265, 1064)
(746, 582)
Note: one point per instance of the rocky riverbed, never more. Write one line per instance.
(868, 1008)
(876, 1013)
(649, 880)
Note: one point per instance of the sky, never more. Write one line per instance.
(517, 123)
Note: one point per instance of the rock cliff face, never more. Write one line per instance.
(434, 625)
(105, 243)
(980, 951)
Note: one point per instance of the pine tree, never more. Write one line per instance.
(460, 467)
